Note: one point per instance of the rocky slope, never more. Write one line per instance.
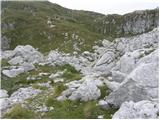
(121, 74)
(90, 75)
(49, 26)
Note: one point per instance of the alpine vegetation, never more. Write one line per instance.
(58, 63)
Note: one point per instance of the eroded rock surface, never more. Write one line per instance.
(23, 54)
(25, 67)
(84, 90)
(140, 110)
(23, 93)
(140, 84)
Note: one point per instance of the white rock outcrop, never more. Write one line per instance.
(118, 76)
(112, 85)
(107, 58)
(23, 54)
(84, 90)
(22, 94)
(3, 93)
(25, 67)
(128, 50)
(140, 110)
(140, 84)
(87, 91)
(4, 103)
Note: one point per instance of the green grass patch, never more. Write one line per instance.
(104, 91)
(18, 112)
(46, 68)
(39, 87)
(70, 73)
(76, 110)
(59, 88)
(68, 109)
(69, 76)
(12, 84)
(4, 62)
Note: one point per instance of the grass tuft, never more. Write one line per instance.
(18, 112)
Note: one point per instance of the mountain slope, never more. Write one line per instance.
(49, 26)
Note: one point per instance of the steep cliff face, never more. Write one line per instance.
(129, 24)
(49, 26)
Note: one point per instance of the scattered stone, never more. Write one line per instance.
(61, 98)
(58, 74)
(109, 78)
(13, 72)
(100, 116)
(47, 84)
(86, 53)
(25, 67)
(22, 94)
(31, 78)
(107, 58)
(3, 93)
(103, 104)
(57, 80)
(74, 84)
(85, 89)
(75, 53)
(90, 95)
(43, 74)
(43, 109)
(106, 43)
(51, 108)
(112, 85)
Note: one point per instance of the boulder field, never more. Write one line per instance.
(126, 67)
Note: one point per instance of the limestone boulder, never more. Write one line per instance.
(84, 90)
(3, 93)
(22, 94)
(140, 110)
(118, 76)
(25, 67)
(141, 84)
